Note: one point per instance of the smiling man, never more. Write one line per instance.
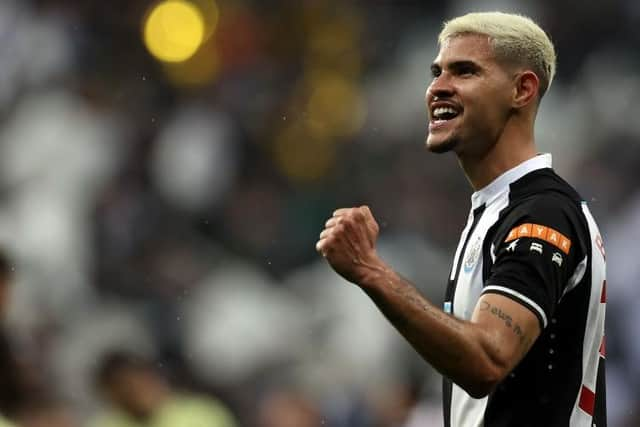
(520, 341)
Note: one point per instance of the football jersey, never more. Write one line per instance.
(531, 238)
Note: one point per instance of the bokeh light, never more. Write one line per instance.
(174, 30)
(303, 157)
(210, 14)
(198, 70)
(335, 107)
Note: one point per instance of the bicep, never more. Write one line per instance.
(509, 329)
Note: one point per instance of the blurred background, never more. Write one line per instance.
(167, 166)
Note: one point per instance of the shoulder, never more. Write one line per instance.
(543, 206)
(203, 410)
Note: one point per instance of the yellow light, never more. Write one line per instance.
(301, 156)
(336, 106)
(198, 70)
(173, 30)
(210, 13)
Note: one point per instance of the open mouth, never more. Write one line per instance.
(440, 114)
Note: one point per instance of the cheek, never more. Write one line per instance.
(492, 108)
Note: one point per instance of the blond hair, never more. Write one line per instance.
(515, 39)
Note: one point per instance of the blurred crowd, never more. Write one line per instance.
(159, 219)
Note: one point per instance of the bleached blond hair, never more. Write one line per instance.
(515, 39)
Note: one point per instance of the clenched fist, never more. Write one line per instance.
(348, 242)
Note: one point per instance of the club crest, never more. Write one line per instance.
(473, 254)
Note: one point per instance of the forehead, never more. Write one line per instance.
(466, 47)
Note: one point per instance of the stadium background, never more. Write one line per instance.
(172, 208)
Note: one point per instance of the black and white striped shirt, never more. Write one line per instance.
(531, 238)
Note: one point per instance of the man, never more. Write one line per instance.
(139, 396)
(521, 339)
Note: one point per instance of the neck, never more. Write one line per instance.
(514, 146)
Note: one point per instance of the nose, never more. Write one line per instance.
(439, 88)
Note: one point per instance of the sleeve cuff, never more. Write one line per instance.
(520, 298)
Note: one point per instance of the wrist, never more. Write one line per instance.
(374, 274)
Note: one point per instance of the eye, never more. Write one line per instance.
(467, 70)
(435, 71)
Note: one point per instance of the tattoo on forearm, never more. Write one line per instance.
(508, 321)
(409, 294)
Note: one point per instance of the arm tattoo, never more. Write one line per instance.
(506, 318)
(412, 296)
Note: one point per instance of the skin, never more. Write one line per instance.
(5, 289)
(498, 104)
(139, 392)
(492, 134)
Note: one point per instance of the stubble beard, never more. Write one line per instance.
(445, 146)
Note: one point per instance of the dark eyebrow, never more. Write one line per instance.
(458, 66)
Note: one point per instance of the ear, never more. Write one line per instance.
(525, 89)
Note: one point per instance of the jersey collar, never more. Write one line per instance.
(501, 183)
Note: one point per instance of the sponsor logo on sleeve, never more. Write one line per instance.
(543, 233)
(536, 247)
(512, 246)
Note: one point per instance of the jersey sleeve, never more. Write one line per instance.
(535, 253)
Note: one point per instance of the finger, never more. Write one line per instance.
(331, 222)
(368, 215)
(325, 233)
(371, 223)
(341, 211)
(366, 211)
(320, 247)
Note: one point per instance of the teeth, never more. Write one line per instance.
(443, 110)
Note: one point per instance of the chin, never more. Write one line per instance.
(443, 146)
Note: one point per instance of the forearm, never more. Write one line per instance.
(456, 348)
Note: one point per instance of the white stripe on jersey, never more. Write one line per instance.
(594, 330)
(465, 410)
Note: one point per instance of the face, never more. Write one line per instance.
(138, 391)
(468, 100)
